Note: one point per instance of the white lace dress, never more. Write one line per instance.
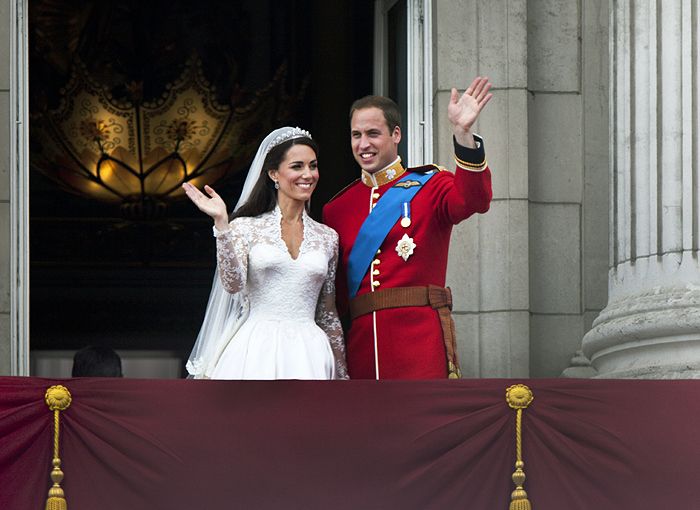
(292, 331)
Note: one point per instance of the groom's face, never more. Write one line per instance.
(373, 145)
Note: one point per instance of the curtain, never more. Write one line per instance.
(194, 444)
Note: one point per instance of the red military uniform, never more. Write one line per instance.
(407, 342)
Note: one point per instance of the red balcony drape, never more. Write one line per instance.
(130, 444)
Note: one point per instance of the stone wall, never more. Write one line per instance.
(488, 268)
(530, 275)
(568, 185)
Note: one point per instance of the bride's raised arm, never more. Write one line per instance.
(231, 241)
(232, 256)
(327, 316)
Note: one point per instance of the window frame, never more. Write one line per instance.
(19, 189)
(419, 122)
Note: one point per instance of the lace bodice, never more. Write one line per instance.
(253, 259)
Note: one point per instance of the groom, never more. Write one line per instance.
(394, 225)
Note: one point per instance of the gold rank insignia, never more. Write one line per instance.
(407, 184)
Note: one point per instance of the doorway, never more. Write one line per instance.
(136, 277)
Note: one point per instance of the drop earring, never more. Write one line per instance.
(277, 185)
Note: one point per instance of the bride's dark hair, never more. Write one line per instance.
(263, 197)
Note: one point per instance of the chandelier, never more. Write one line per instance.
(138, 153)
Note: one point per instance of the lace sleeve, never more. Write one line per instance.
(327, 316)
(232, 257)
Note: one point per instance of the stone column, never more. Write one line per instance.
(650, 327)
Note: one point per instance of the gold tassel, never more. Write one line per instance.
(58, 398)
(519, 397)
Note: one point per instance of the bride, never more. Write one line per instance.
(271, 313)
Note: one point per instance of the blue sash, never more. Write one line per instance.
(377, 225)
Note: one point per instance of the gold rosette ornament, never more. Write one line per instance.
(519, 397)
(58, 398)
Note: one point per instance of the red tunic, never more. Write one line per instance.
(409, 342)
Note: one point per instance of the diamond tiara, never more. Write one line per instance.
(295, 132)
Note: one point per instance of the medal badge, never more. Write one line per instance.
(406, 213)
(405, 247)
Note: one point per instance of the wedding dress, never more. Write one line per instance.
(292, 330)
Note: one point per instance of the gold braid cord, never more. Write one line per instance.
(519, 397)
(58, 398)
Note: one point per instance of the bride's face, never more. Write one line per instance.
(297, 174)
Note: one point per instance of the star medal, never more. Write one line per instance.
(405, 247)
(406, 215)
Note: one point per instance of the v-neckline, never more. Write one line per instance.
(278, 214)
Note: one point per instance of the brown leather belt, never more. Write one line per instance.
(438, 298)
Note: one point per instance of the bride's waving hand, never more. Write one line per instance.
(212, 205)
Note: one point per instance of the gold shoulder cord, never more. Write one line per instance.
(58, 398)
(519, 397)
